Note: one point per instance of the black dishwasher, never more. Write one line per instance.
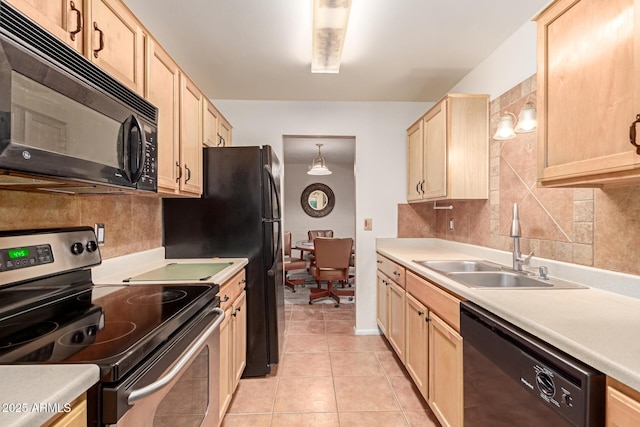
(512, 378)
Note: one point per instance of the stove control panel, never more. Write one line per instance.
(32, 254)
(26, 256)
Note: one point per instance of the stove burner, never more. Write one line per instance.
(112, 331)
(160, 297)
(15, 334)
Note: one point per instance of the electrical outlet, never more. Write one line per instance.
(451, 224)
(368, 224)
(99, 228)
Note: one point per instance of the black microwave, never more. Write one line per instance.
(63, 118)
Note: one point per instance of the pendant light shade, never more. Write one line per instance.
(318, 166)
(527, 119)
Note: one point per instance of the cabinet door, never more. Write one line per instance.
(415, 157)
(445, 372)
(417, 344)
(62, 18)
(435, 152)
(163, 91)
(226, 369)
(587, 90)
(382, 312)
(622, 409)
(395, 328)
(190, 136)
(224, 132)
(239, 334)
(76, 417)
(115, 42)
(210, 125)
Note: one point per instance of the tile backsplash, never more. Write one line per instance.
(595, 227)
(133, 223)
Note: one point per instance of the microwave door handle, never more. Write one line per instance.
(163, 381)
(137, 148)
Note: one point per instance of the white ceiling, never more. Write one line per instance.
(396, 50)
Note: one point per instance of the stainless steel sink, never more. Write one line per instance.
(508, 280)
(445, 266)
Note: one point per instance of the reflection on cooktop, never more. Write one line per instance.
(14, 334)
(155, 298)
(113, 331)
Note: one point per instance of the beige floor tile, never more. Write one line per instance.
(306, 344)
(306, 327)
(308, 315)
(254, 395)
(305, 394)
(372, 419)
(364, 394)
(422, 418)
(343, 306)
(253, 420)
(339, 327)
(328, 419)
(359, 364)
(341, 315)
(408, 395)
(357, 343)
(305, 365)
(307, 307)
(391, 364)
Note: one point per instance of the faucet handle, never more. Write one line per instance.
(525, 260)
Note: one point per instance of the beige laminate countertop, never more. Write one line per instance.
(600, 328)
(31, 395)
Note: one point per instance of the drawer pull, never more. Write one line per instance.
(420, 313)
(100, 39)
(632, 134)
(73, 33)
(226, 298)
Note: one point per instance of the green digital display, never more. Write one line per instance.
(18, 253)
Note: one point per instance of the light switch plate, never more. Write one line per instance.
(368, 224)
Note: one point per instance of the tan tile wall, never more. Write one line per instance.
(132, 223)
(592, 227)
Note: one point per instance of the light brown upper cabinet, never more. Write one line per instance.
(163, 91)
(588, 92)
(115, 42)
(448, 150)
(210, 116)
(190, 165)
(64, 19)
(224, 132)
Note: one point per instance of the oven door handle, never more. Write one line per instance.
(163, 381)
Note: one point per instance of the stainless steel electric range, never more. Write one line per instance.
(146, 339)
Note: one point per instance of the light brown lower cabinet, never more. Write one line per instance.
(396, 303)
(233, 337)
(77, 417)
(445, 372)
(623, 405)
(416, 358)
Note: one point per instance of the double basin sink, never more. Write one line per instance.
(486, 275)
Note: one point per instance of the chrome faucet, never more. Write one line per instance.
(518, 260)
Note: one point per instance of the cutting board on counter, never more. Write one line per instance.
(195, 272)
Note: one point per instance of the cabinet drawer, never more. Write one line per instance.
(392, 270)
(445, 305)
(231, 289)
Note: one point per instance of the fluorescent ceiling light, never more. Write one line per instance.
(330, 19)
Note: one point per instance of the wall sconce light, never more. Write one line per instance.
(526, 122)
(318, 165)
(330, 18)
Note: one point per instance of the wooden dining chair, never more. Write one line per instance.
(291, 264)
(332, 265)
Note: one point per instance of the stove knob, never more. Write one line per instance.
(91, 246)
(77, 248)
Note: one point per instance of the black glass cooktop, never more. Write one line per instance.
(114, 327)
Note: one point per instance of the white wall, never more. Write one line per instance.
(380, 181)
(511, 63)
(341, 219)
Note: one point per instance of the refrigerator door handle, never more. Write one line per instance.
(274, 263)
(272, 184)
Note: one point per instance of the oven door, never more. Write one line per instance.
(178, 387)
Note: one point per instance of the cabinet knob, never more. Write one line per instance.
(420, 313)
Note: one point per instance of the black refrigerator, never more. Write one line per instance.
(239, 215)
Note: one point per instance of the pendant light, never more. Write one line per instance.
(318, 166)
